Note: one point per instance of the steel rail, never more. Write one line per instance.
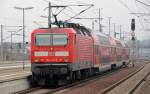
(121, 81)
(35, 90)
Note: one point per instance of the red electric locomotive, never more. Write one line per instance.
(72, 52)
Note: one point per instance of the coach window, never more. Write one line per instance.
(111, 50)
(96, 49)
(103, 40)
(119, 44)
(75, 39)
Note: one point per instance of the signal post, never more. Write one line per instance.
(133, 53)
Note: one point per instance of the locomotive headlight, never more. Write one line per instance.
(40, 53)
(36, 60)
(61, 53)
(66, 59)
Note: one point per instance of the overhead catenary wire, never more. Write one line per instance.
(79, 2)
(57, 10)
(73, 1)
(125, 5)
(139, 20)
(71, 11)
(64, 1)
(143, 7)
(60, 10)
(13, 34)
(142, 24)
(66, 14)
(143, 3)
(79, 13)
(56, 6)
(35, 22)
(76, 1)
(8, 19)
(8, 37)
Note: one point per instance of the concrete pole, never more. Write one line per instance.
(11, 45)
(2, 43)
(109, 18)
(120, 31)
(93, 25)
(123, 33)
(114, 30)
(100, 20)
(49, 15)
(133, 54)
(23, 24)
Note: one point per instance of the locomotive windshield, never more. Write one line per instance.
(51, 39)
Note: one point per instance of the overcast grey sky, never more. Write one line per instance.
(117, 9)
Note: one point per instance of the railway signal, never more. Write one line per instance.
(133, 25)
(133, 29)
(133, 41)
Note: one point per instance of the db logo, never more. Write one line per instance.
(51, 48)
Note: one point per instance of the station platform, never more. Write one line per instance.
(13, 63)
(14, 80)
(14, 70)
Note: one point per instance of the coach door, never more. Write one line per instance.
(112, 55)
(97, 55)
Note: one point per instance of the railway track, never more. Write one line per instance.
(125, 86)
(40, 90)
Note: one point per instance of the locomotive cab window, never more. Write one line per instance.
(60, 39)
(51, 39)
(42, 39)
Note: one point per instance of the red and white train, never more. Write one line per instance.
(73, 52)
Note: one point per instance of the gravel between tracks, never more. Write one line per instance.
(93, 87)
